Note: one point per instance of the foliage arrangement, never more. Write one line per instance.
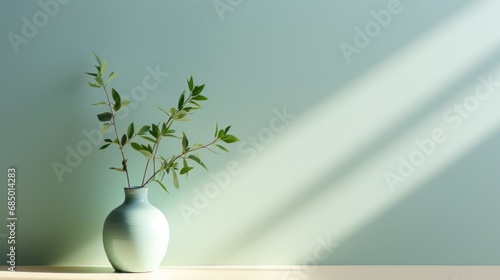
(148, 138)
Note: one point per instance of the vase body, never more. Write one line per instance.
(135, 234)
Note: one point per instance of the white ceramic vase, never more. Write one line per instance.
(135, 234)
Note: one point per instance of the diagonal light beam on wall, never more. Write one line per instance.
(328, 137)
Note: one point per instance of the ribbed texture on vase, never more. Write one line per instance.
(135, 234)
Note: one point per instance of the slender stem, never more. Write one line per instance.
(177, 157)
(157, 143)
(124, 163)
(155, 149)
(145, 171)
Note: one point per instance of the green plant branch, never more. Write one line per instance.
(124, 162)
(156, 145)
(156, 132)
(155, 149)
(175, 158)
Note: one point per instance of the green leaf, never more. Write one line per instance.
(105, 127)
(93, 85)
(148, 138)
(141, 149)
(111, 77)
(124, 164)
(197, 160)
(98, 79)
(97, 59)
(125, 102)
(107, 140)
(198, 89)
(116, 95)
(221, 147)
(208, 148)
(180, 114)
(194, 103)
(176, 180)
(185, 142)
(130, 131)
(104, 117)
(227, 129)
(163, 128)
(91, 74)
(104, 67)
(216, 129)
(172, 111)
(136, 146)
(190, 84)
(164, 111)
(124, 140)
(228, 138)
(173, 136)
(143, 130)
(163, 166)
(181, 101)
(173, 165)
(188, 109)
(147, 154)
(104, 146)
(185, 170)
(169, 132)
(117, 169)
(221, 133)
(117, 99)
(100, 103)
(161, 184)
(199, 97)
(154, 131)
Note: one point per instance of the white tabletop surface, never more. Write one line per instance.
(261, 273)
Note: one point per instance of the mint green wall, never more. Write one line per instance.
(324, 171)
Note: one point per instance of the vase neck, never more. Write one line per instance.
(136, 195)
